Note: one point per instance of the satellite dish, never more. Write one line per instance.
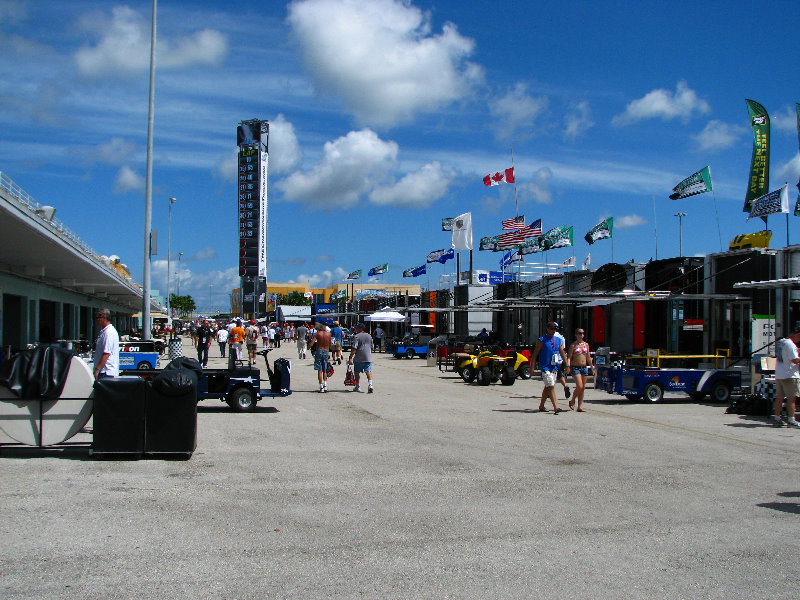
(611, 277)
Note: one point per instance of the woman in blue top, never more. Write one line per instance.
(550, 351)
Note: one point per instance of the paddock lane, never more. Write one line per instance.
(427, 488)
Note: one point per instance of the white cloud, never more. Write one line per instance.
(205, 253)
(381, 58)
(211, 288)
(227, 166)
(123, 46)
(516, 111)
(538, 189)
(128, 181)
(419, 189)
(349, 169)
(115, 152)
(319, 280)
(577, 121)
(284, 150)
(790, 171)
(717, 135)
(629, 221)
(785, 119)
(12, 11)
(664, 105)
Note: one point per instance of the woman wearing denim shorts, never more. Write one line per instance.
(579, 361)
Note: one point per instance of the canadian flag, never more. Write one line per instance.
(506, 176)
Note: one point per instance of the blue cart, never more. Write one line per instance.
(650, 383)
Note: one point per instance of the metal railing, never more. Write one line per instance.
(35, 211)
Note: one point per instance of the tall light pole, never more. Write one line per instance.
(148, 194)
(169, 246)
(210, 298)
(680, 216)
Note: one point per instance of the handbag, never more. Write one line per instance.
(349, 377)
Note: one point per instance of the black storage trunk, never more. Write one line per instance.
(171, 423)
(119, 414)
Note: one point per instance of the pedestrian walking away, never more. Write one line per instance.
(550, 352)
(235, 339)
(321, 342)
(222, 340)
(787, 379)
(361, 357)
(379, 335)
(302, 341)
(336, 343)
(264, 334)
(251, 338)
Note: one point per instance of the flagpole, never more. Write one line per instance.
(516, 203)
(716, 212)
(655, 224)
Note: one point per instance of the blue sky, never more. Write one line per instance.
(385, 117)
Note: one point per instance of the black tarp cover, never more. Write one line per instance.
(39, 373)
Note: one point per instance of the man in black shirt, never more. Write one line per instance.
(204, 338)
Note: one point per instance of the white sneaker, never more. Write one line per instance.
(792, 423)
(357, 388)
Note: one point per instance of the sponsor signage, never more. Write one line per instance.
(253, 153)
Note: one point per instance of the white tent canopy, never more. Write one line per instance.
(386, 315)
(293, 313)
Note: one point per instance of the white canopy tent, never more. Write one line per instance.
(386, 315)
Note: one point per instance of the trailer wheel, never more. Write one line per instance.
(144, 366)
(484, 376)
(467, 373)
(410, 353)
(507, 376)
(242, 400)
(721, 392)
(524, 371)
(653, 392)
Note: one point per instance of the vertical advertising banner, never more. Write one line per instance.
(252, 139)
(758, 182)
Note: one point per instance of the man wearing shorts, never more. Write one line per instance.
(550, 351)
(336, 343)
(361, 357)
(322, 354)
(787, 378)
(252, 342)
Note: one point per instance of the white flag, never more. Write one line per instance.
(587, 262)
(462, 232)
(570, 262)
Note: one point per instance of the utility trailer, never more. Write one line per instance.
(650, 383)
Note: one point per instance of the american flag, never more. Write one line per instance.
(514, 223)
(515, 238)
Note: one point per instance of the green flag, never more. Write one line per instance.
(604, 229)
(558, 237)
(532, 246)
(697, 183)
(758, 183)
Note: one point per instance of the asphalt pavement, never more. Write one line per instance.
(428, 488)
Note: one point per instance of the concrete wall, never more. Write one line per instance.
(31, 312)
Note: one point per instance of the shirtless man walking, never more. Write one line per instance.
(321, 355)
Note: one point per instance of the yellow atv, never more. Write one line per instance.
(486, 367)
